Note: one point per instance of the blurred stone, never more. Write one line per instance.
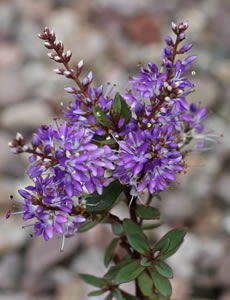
(26, 115)
(41, 255)
(12, 56)
(64, 21)
(222, 187)
(211, 91)
(13, 88)
(10, 268)
(89, 261)
(16, 296)
(38, 10)
(219, 25)
(27, 38)
(12, 164)
(38, 284)
(180, 288)
(144, 28)
(223, 272)
(180, 207)
(225, 296)
(7, 19)
(6, 190)
(12, 235)
(222, 71)
(97, 236)
(71, 290)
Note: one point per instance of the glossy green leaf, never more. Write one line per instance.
(113, 271)
(102, 118)
(117, 294)
(129, 272)
(145, 284)
(145, 262)
(109, 297)
(116, 107)
(125, 111)
(176, 238)
(162, 246)
(147, 212)
(150, 226)
(105, 201)
(161, 283)
(117, 229)
(96, 293)
(93, 280)
(163, 269)
(100, 140)
(109, 251)
(127, 296)
(136, 237)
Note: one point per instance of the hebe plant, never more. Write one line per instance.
(107, 144)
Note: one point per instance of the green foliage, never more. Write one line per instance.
(161, 283)
(145, 262)
(147, 212)
(93, 280)
(151, 226)
(113, 271)
(117, 294)
(163, 269)
(120, 110)
(105, 201)
(117, 228)
(109, 251)
(102, 118)
(136, 237)
(129, 272)
(170, 242)
(145, 284)
(96, 293)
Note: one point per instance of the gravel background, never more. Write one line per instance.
(111, 37)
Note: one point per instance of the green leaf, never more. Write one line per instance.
(87, 226)
(145, 284)
(116, 107)
(147, 212)
(136, 237)
(145, 262)
(163, 269)
(161, 283)
(176, 238)
(117, 294)
(127, 296)
(103, 140)
(150, 226)
(125, 111)
(102, 118)
(96, 293)
(111, 274)
(93, 280)
(109, 297)
(162, 246)
(105, 201)
(129, 272)
(117, 229)
(109, 251)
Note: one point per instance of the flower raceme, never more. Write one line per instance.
(137, 138)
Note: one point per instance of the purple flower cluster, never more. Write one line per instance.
(137, 138)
